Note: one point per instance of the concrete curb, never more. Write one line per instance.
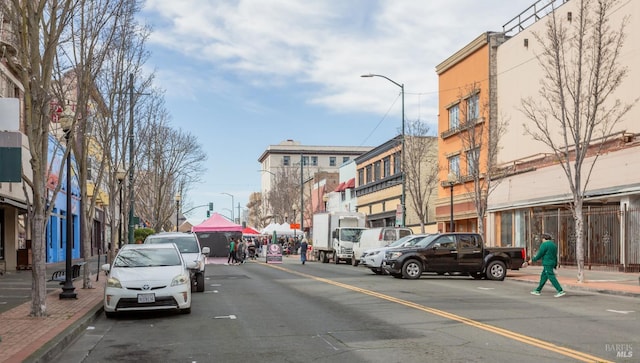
(62, 341)
(583, 288)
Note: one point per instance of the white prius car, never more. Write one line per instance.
(148, 277)
(372, 258)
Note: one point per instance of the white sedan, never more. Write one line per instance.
(372, 258)
(148, 277)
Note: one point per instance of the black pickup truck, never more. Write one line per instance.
(453, 253)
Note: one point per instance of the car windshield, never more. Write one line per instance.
(186, 243)
(147, 257)
(350, 235)
(427, 240)
(401, 241)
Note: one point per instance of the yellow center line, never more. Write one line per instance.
(584, 357)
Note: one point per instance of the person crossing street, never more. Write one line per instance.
(548, 254)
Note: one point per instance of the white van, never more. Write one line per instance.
(376, 237)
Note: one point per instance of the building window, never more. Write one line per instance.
(361, 177)
(314, 161)
(305, 160)
(332, 161)
(396, 163)
(454, 165)
(369, 174)
(286, 160)
(376, 170)
(454, 117)
(386, 167)
(472, 108)
(345, 159)
(472, 161)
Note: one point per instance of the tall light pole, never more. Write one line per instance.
(302, 194)
(451, 179)
(68, 290)
(177, 211)
(402, 196)
(120, 175)
(233, 219)
(131, 157)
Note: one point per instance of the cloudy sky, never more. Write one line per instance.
(245, 74)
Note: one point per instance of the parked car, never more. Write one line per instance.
(453, 253)
(189, 247)
(372, 258)
(147, 277)
(377, 237)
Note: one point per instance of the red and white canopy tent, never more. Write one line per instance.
(250, 232)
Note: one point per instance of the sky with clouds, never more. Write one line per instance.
(245, 74)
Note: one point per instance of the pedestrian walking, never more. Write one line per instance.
(303, 250)
(232, 252)
(548, 254)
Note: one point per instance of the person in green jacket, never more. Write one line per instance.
(548, 253)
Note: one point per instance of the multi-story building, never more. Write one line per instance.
(306, 161)
(379, 184)
(534, 197)
(465, 118)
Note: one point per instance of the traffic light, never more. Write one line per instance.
(210, 205)
(208, 213)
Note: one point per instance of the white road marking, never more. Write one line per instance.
(211, 292)
(232, 317)
(621, 311)
(486, 288)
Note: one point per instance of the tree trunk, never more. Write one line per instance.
(38, 246)
(579, 224)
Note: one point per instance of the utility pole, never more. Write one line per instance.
(131, 157)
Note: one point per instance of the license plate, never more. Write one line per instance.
(146, 298)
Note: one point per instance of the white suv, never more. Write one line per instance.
(189, 247)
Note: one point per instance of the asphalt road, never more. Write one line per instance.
(328, 313)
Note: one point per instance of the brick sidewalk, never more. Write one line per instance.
(22, 335)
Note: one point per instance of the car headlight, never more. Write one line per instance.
(393, 255)
(180, 280)
(113, 282)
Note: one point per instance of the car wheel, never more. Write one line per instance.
(110, 314)
(412, 269)
(496, 271)
(354, 262)
(200, 281)
(323, 257)
(377, 271)
(185, 311)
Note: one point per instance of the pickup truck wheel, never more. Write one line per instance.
(496, 271)
(200, 282)
(323, 257)
(476, 275)
(397, 276)
(412, 269)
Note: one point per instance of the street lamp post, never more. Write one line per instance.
(451, 179)
(402, 196)
(232, 204)
(294, 207)
(68, 290)
(177, 211)
(120, 175)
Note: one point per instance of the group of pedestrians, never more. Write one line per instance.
(239, 251)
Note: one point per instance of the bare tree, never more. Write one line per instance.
(575, 111)
(421, 168)
(257, 210)
(38, 26)
(285, 192)
(91, 35)
(170, 160)
(480, 135)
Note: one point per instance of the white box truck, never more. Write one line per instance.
(334, 234)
